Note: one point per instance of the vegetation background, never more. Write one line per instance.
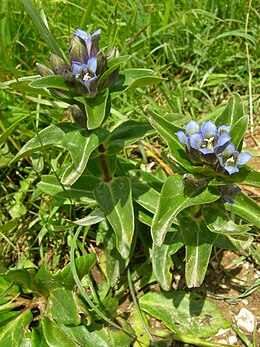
(205, 50)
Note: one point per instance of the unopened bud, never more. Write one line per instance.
(78, 51)
(59, 66)
(44, 70)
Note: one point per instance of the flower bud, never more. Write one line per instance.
(78, 51)
(44, 70)
(114, 53)
(78, 115)
(59, 66)
(101, 63)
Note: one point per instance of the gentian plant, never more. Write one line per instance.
(195, 206)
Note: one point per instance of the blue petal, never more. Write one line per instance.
(229, 150)
(181, 136)
(224, 129)
(92, 65)
(77, 68)
(209, 129)
(243, 158)
(196, 140)
(81, 33)
(223, 139)
(192, 127)
(231, 169)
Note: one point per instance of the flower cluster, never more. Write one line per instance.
(87, 65)
(211, 145)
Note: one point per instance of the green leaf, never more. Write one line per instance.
(42, 28)
(7, 132)
(162, 261)
(54, 334)
(184, 313)
(115, 264)
(94, 217)
(218, 221)
(64, 277)
(12, 333)
(134, 78)
(246, 208)
(238, 242)
(81, 190)
(52, 81)
(237, 132)
(113, 64)
(174, 198)
(167, 130)
(115, 199)
(234, 116)
(198, 241)
(61, 307)
(77, 141)
(96, 109)
(145, 195)
(246, 176)
(127, 133)
(21, 277)
(37, 338)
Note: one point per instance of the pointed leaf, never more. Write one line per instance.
(184, 313)
(61, 307)
(96, 109)
(115, 199)
(52, 81)
(246, 208)
(218, 221)
(167, 130)
(145, 196)
(12, 333)
(134, 78)
(198, 240)
(81, 190)
(237, 132)
(238, 242)
(113, 64)
(161, 258)
(54, 334)
(174, 198)
(68, 136)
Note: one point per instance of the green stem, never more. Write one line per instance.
(104, 163)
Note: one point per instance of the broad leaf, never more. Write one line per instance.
(96, 109)
(198, 241)
(115, 199)
(238, 242)
(134, 78)
(64, 277)
(184, 313)
(12, 333)
(234, 116)
(161, 258)
(145, 195)
(218, 221)
(61, 307)
(246, 208)
(246, 176)
(94, 217)
(115, 264)
(81, 190)
(52, 81)
(175, 197)
(54, 334)
(77, 141)
(127, 133)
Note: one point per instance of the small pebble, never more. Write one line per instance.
(246, 320)
(214, 264)
(232, 340)
(245, 302)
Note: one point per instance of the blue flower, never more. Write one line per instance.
(204, 143)
(230, 159)
(87, 65)
(229, 192)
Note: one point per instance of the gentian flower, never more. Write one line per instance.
(204, 143)
(230, 159)
(87, 65)
(229, 192)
